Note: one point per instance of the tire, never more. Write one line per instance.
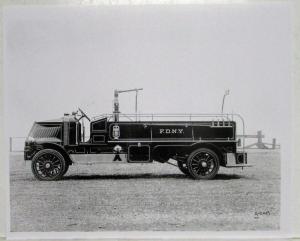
(203, 163)
(66, 169)
(48, 165)
(183, 167)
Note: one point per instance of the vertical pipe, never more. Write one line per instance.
(223, 103)
(225, 94)
(116, 106)
(136, 94)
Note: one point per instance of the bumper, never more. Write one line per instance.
(27, 154)
(241, 158)
(29, 150)
(238, 159)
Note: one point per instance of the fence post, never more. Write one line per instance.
(259, 139)
(274, 143)
(10, 144)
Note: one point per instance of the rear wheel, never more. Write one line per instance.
(203, 163)
(48, 165)
(66, 169)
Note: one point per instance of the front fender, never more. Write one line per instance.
(32, 149)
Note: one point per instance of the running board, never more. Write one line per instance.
(239, 166)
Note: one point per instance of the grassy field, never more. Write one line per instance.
(111, 197)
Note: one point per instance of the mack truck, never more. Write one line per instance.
(198, 143)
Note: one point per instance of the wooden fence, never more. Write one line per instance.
(259, 144)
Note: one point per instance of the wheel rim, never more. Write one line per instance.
(203, 163)
(48, 166)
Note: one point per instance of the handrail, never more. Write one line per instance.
(152, 115)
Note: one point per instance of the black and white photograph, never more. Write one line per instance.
(147, 117)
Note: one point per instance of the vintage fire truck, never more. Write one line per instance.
(199, 143)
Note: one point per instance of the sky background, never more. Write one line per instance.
(59, 58)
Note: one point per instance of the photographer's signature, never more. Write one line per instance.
(258, 214)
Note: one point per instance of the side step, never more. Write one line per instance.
(246, 165)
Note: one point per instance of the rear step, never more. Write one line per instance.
(238, 159)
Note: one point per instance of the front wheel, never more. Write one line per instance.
(48, 165)
(203, 163)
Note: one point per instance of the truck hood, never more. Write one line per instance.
(59, 120)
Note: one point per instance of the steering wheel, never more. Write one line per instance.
(83, 114)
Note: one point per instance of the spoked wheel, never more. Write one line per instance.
(48, 165)
(66, 169)
(203, 163)
(183, 167)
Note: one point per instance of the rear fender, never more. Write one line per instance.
(209, 146)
